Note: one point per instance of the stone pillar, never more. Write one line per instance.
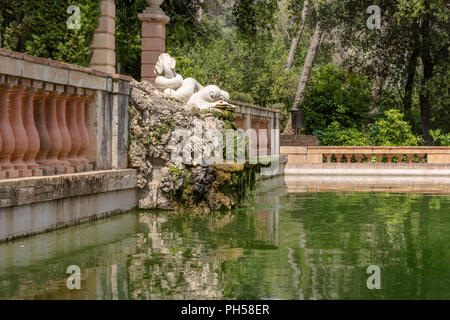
(154, 22)
(53, 128)
(32, 133)
(81, 109)
(72, 125)
(6, 132)
(39, 120)
(248, 119)
(20, 135)
(103, 43)
(62, 124)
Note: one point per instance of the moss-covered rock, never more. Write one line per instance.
(165, 184)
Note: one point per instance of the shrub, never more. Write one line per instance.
(335, 95)
(336, 135)
(242, 96)
(393, 130)
(39, 28)
(439, 138)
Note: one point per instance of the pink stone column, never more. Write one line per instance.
(103, 43)
(72, 125)
(51, 123)
(81, 110)
(30, 128)
(154, 22)
(44, 136)
(66, 144)
(8, 142)
(16, 121)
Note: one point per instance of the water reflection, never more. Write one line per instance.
(302, 245)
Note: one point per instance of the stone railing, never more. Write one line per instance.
(59, 118)
(368, 155)
(249, 116)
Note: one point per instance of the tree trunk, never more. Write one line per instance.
(304, 78)
(296, 39)
(412, 64)
(428, 66)
(200, 12)
(425, 99)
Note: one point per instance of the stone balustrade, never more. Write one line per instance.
(249, 116)
(367, 155)
(58, 118)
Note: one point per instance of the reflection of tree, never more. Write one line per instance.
(345, 233)
(304, 246)
(164, 267)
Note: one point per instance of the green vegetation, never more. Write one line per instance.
(439, 138)
(357, 74)
(345, 78)
(39, 28)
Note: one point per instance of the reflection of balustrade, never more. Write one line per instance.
(367, 155)
(42, 128)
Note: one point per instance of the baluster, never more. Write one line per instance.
(348, 157)
(421, 157)
(53, 130)
(2, 173)
(81, 109)
(41, 126)
(20, 135)
(32, 133)
(389, 157)
(8, 142)
(327, 157)
(379, 158)
(71, 117)
(411, 158)
(359, 157)
(61, 105)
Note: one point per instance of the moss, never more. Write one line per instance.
(156, 134)
(232, 185)
(131, 111)
(175, 171)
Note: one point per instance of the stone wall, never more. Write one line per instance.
(297, 140)
(52, 191)
(33, 205)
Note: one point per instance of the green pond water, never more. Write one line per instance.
(308, 245)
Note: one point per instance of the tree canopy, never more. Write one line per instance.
(321, 56)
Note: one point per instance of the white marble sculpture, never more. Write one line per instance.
(188, 90)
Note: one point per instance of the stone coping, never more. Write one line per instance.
(378, 184)
(361, 150)
(363, 170)
(23, 65)
(343, 165)
(15, 192)
(245, 104)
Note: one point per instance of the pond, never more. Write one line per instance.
(281, 245)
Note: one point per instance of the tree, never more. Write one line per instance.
(414, 45)
(304, 77)
(296, 39)
(254, 16)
